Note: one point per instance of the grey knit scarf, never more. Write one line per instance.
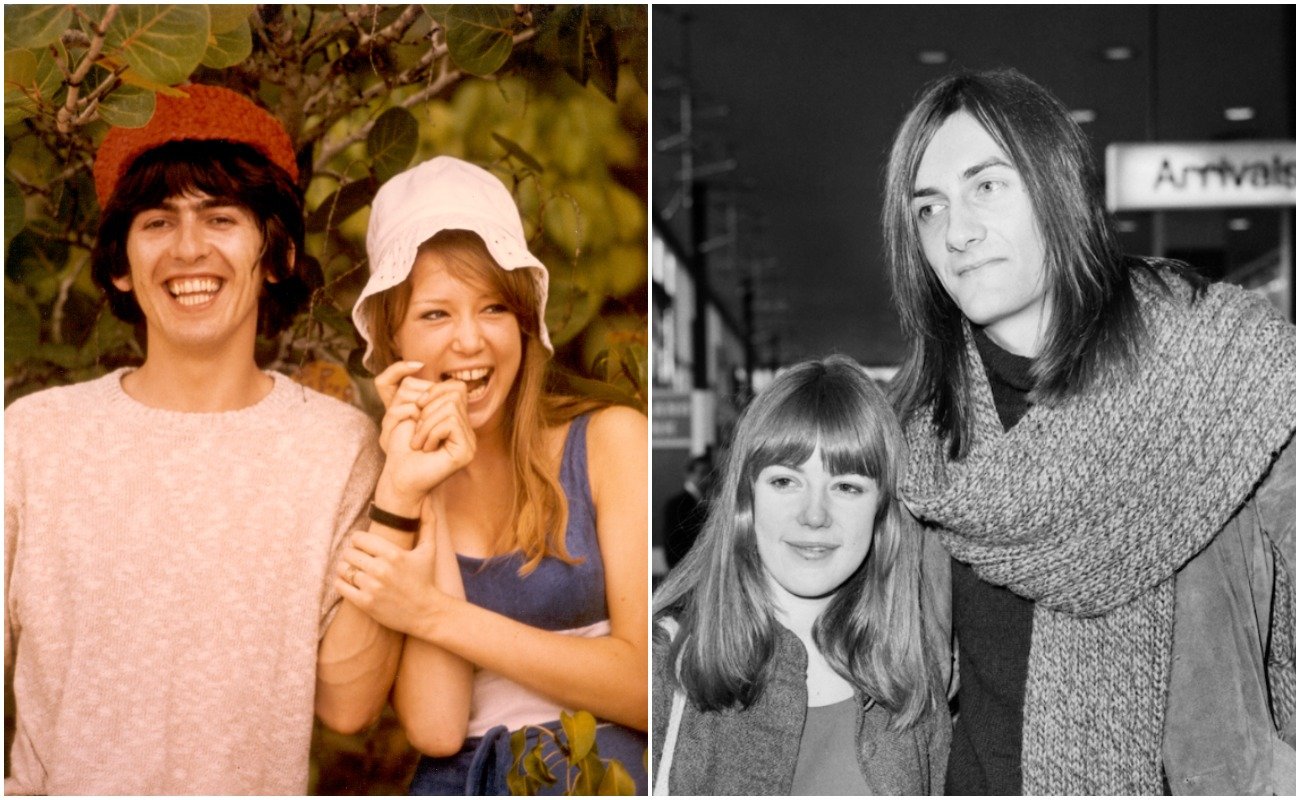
(1089, 507)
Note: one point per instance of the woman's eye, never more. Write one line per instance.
(433, 314)
(497, 308)
(780, 482)
(850, 488)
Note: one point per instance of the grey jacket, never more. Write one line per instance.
(754, 751)
(1230, 723)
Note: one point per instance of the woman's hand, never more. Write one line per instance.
(393, 585)
(388, 382)
(427, 436)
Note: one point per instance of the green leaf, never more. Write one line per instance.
(515, 151)
(340, 205)
(225, 18)
(79, 311)
(590, 773)
(517, 783)
(164, 43)
(22, 326)
(20, 71)
(535, 767)
(391, 143)
(479, 37)
(127, 106)
(603, 68)
(571, 306)
(616, 780)
(437, 10)
(580, 730)
(61, 355)
(518, 740)
(572, 36)
(36, 25)
(41, 81)
(332, 317)
(110, 333)
(229, 48)
(20, 68)
(15, 211)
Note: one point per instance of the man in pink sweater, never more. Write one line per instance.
(170, 530)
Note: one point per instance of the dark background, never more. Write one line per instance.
(796, 107)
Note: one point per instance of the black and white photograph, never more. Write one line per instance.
(974, 359)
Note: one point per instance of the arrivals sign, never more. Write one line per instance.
(1172, 175)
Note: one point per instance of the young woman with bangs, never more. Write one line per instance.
(796, 648)
(512, 549)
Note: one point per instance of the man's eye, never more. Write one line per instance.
(928, 211)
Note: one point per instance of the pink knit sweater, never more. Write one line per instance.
(167, 583)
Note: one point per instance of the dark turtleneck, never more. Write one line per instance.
(993, 628)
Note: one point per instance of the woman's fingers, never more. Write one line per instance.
(445, 401)
(448, 408)
(387, 382)
(394, 416)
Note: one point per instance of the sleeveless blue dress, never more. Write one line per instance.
(556, 596)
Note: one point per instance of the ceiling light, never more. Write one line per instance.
(932, 57)
(1083, 115)
(1239, 224)
(1125, 225)
(1120, 52)
(1239, 113)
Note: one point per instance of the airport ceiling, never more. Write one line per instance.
(794, 108)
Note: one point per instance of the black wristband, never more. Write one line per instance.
(408, 524)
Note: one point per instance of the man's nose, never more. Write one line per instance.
(191, 242)
(964, 227)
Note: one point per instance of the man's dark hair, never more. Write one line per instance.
(1095, 322)
(233, 173)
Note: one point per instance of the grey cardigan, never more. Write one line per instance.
(754, 751)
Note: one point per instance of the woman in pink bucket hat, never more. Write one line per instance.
(516, 567)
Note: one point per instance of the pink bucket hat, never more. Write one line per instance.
(443, 193)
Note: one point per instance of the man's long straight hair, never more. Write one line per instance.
(1095, 323)
(873, 633)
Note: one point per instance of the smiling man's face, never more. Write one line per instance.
(976, 223)
(196, 273)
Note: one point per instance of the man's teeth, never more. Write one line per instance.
(193, 291)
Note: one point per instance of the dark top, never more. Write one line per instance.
(828, 757)
(993, 627)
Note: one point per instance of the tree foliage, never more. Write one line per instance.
(550, 98)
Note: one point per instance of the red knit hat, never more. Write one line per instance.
(207, 112)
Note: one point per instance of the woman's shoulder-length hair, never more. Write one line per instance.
(542, 397)
(1095, 322)
(872, 632)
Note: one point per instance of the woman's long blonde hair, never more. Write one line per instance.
(539, 509)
